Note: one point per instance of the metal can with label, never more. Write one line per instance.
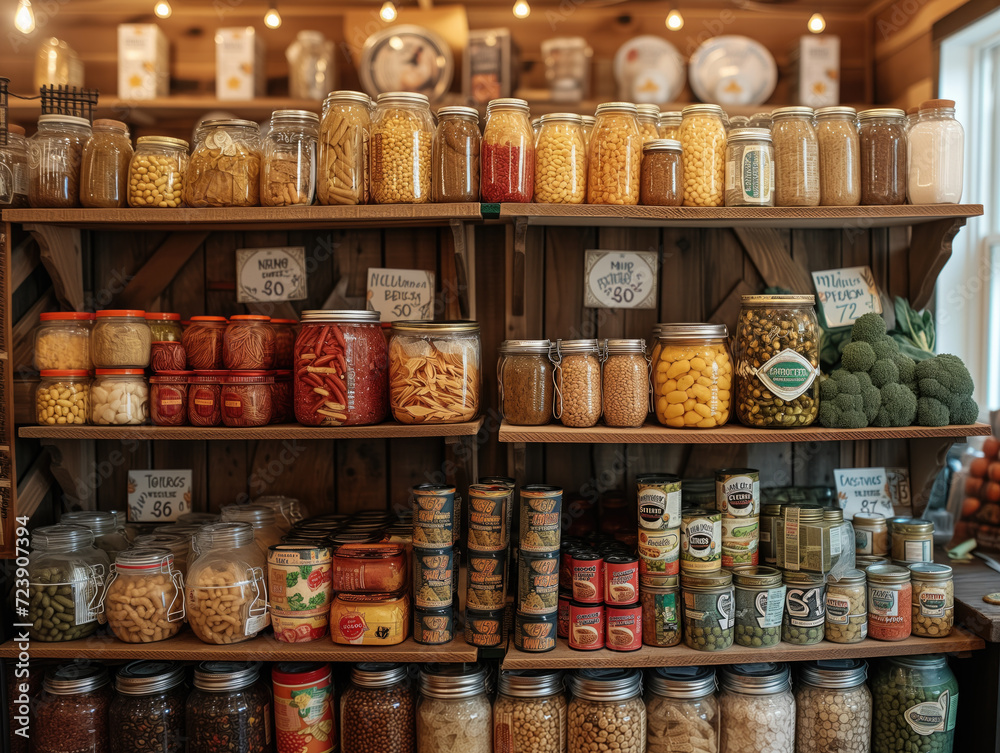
(740, 540)
(432, 627)
(488, 512)
(484, 628)
(737, 492)
(586, 626)
(538, 583)
(701, 540)
(760, 603)
(661, 558)
(486, 577)
(433, 577)
(540, 513)
(659, 498)
(623, 627)
(708, 610)
(562, 619)
(805, 608)
(296, 721)
(621, 579)
(433, 516)
(661, 614)
(535, 633)
(588, 577)
(566, 565)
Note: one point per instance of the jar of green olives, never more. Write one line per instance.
(805, 608)
(760, 601)
(915, 703)
(708, 610)
(847, 608)
(777, 361)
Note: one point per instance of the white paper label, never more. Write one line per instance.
(155, 496)
(844, 295)
(620, 279)
(863, 490)
(401, 293)
(270, 274)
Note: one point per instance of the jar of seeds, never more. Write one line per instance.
(402, 134)
(577, 379)
(524, 375)
(529, 715)
(703, 140)
(626, 383)
(833, 708)
(882, 136)
(147, 713)
(796, 158)
(839, 157)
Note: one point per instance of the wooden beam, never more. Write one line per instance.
(61, 253)
(34, 487)
(766, 248)
(157, 273)
(72, 462)
(23, 261)
(21, 334)
(930, 249)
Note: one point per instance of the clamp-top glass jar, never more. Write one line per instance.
(288, 173)
(147, 712)
(144, 598)
(55, 154)
(71, 714)
(14, 169)
(378, 710)
(533, 700)
(524, 375)
(229, 709)
(682, 712)
(266, 532)
(224, 170)
(456, 155)
(342, 176)
(104, 166)
(833, 707)
(561, 160)
(453, 711)
(602, 699)
(839, 156)
(615, 155)
(796, 158)
(692, 364)
(758, 709)
(577, 378)
(703, 140)
(157, 171)
(109, 531)
(882, 136)
(402, 134)
(508, 155)
(625, 391)
(62, 340)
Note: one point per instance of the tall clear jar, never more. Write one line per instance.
(402, 135)
(576, 375)
(104, 166)
(156, 172)
(915, 704)
(224, 169)
(529, 715)
(603, 700)
(453, 710)
(682, 712)
(561, 160)
(669, 125)
(229, 710)
(524, 375)
(936, 155)
(703, 141)
(378, 710)
(288, 172)
(846, 607)
(625, 392)
(109, 531)
(14, 169)
(839, 157)
(147, 712)
(615, 155)
(796, 158)
(266, 532)
(758, 709)
(648, 118)
(749, 168)
(587, 124)
(833, 707)
(692, 364)
(508, 154)
(455, 155)
(882, 135)
(144, 598)
(342, 175)
(71, 714)
(120, 338)
(933, 612)
(62, 397)
(55, 154)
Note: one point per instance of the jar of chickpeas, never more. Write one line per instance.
(577, 378)
(703, 141)
(648, 117)
(692, 376)
(615, 155)
(63, 397)
(561, 160)
(402, 133)
(156, 172)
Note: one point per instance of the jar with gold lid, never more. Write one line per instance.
(661, 174)
(508, 153)
(156, 172)
(104, 169)
(561, 160)
(703, 139)
(692, 364)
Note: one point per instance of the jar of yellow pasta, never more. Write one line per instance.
(62, 340)
(144, 600)
(561, 160)
(703, 142)
(615, 156)
(692, 376)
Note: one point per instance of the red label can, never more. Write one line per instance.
(621, 579)
(624, 627)
(566, 567)
(588, 578)
(562, 622)
(586, 626)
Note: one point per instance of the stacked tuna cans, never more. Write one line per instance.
(488, 526)
(660, 519)
(540, 523)
(435, 562)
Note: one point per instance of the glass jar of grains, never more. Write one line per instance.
(648, 118)
(805, 608)
(915, 701)
(14, 169)
(661, 175)
(71, 714)
(156, 172)
(508, 153)
(288, 172)
(378, 710)
(147, 712)
(224, 169)
(833, 707)
(757, 708)
(55, 153)
(561, 160)
(577, 378)
(692, 363)
(615, 156)
(402, 134)
(839, 157)
(63, 397)
(796, 158)
(453, 710)
(524, 374)
(455, 155)
(882, 136)
(703, 140)
(933, 599)
(846, 607)
(669, 125)
(682, 712)
(62, 340)
(605, 702)
(749, 168)
(120, 338)
(625, 391)
(229, 710)
(529, 715)
(104, 166)
(342, 174)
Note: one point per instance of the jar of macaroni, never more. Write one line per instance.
(508, 153)
(692, 376)
(288, 172)
(933, 610)
(156, 172)
(661, 174)
(402, 134)
(55, 154)
(561, 160)
(524, 375)
(344, 133)
(14, 161)
(833, 707)
(62, 340)
(625, 392)
(796, 158)
(703, 140)
(882, 136)
(758, 708)
(648, 118)
(615, 155)
(104, 166)
(144, 599)
(749, 168)
(529, 715)
(682, 712)
(577, 379)
(119, 397)
(669, 125)
(224, 169)
(839, 156)
(606, 706)
(455, 155)
(63, 397)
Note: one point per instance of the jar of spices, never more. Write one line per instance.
(708, 610)
(796, 158)
(933, 599)
(229, 709)
(147, 712)
(777, 361)
(508, 154)
(529, 715)
(606, 706)
(577, 375)
(108, 529)
(625, 393)
(246, 398)
(882, 135)
(342, 176)
(682, 712)
(669, 125)
(62, 397)
(839, 157)
(936, 155)
(378, 710)
(833, 707)
(455, 155)
(224, 169)
(914, 700)
(248, 343)
(889, 602)
(119, 397)
(71, 714)
(692, 363)
(284, 342)
(561, 160)
(871, 534)
(648, 118)
(749, 168)
(805, 608)
(144, 598)
(164, 327)
(661, 175)
(703, 141)
(847, 607)
(587, 124)
(453, 710)
(758, 708)
(760, 601)
(402, 134)
(55, 153)
(524, 375)
(615, 155)
(203, 340)
(62, 340)
(120, 339)
(912, 540)
(156, 172)
(104, 166)
(288, 172)
(261, 517)
(168, 398)
(14, 169)
(204, 398)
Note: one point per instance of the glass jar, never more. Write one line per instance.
(625, 393)
(147, 712)
(882, 136)
(144, 598)
(455, 154)
(603, 698)
(288, 170)
(71, 714)
(119, 397)
(168, 398)
(341, 367)
(561, 160)
(777, 361)
(266, 532)
(847, 607)
(935, 155)
(661, 174)
(229, 709)
(248, 344)
(453, 710)
(661, 612)
(871, 534)
(178, 544)
(104, 166)
(692, 364)
(760, 601)
(224, 169)
(284, 342)
(933, 611)
(62, 397)
(65, 577)
(682, 712)
(529, 715)
(614, 156)
(402, 135)
(164, 327)
(282, 397)
(669, 125)
(915, 704)
(889, 602)
(120, 339)
(342, 177)
(749, 168)
(14, 169)
(912, 540)
(796, 158)
(577, 378)
(703, 141)
(203, 340)
(839, 157)
(709, 610)
(804, 618)
(419, 352)
(246, 398)
(648, 119)
(378, 710)
(524, 375)
(62, 340)
(228, 563)
(508, 155)
(833, 708)
(107, 527)
(156, 172)
(587, 124)
(55, 153)
(287, 510)
(758, 708)
(204, 398)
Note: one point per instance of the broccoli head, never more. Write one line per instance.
(885, 348)
(858, 356)
(869, 328)
(907, 370)
(885, 371)
(932, 412)
(871, 397)
(967, 413)
(898, 406)
(843, 401)
(944, 378)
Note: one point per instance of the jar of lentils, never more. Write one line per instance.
(55, 154)
(455, 155)
(839, 157)
(224, 169)
(156, 172)
(148, 711)
(577, 378)
(796, 158)
(615, 156)
(104, 166)
(933, 599)
(882, 136)
(833, 707)
(703, 141)
(453, 710)
(758, 709)
(529, 715)
(749, 168)
(71, 714)
(682, 712)
(692, 363)
(402, 134)
(508, 154)
(661, 175)
(342, 169)
(288, 172)
(378, 710)
(847, 607)
(524, 374)
(625, 383)
(606, 709)
(561, 160)
(229, 710)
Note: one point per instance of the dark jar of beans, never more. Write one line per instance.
(378, 711)
(147, 713)
(71, 714)
(228, 710)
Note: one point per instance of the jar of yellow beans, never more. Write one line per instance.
(692, 376)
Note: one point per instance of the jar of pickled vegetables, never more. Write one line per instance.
(342, 172)
(561, 160)
(63, 397)
(204, 398)
(703, 141)
(615, 155)
(246, 398)
(508, 153)
(692, 376)
(164, 327)
(62, 340)
(577, 378)
(248, 343)
(524, 374)
(402, 133)
(156, 172)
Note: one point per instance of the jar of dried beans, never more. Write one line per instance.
(342, 175)
(882, 136)
(846, 607)
(120, 339)
(833, 708)
(55, 153)
(144, 599)
(661, 174)
(229, 710)
(749, 168)
(625, 383)
(839, 156)
(796, 158)
(248, 343)
(933, 599)
(889, 602)
(246, 398)
(703, 140)
(758, 709)
(71, 714)
(615, 156)
(508, 154)
(204, 398)
(606, 707)
(288, 171)
(63, 397)
(156, 172)
(524, 374)
(119, 397)
(378, 710)
(577, 378)
(455, 155)
(561, 160)
(402, 134)
(147, 712)
(682, 712)
(104, 166)
(669, 125)
(284, 342)
(14, 163)
(588, 122)
(340, 369)
(224, 169)
(529, 715)
(168, 398)
(453, 710)
(692, 376)
(203, 342)
(648, 118)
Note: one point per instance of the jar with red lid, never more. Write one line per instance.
(284, 342)
(246, 398)
(63, 397)
(248, 343)
(203, 342)
(204, 398)
(282, 410)
(119, 397)
(168, 395)
(62, 340)
(341, 368)
(164, 326)
(120, 339)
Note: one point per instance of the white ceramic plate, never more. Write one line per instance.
(733, 70)
(406, 59)
(649, 69)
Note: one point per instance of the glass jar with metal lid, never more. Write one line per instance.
(912, 540)
(882, 137)
(796, 157)
(839, 156)
(402, 134)
(288, 170)
(378, 710)
(109, 534)
(71, 713)
(668, 125)
(661, 175)
(749, 168)
(915, 705)
(833, 707)
(871, 534)
(266, 532)
(933, 611)
(770, 528)
(453, 710)
(847, 607)
(577, 378)
(147, 712)
(156, 172)
(757, 708)
(104, 166)
(14, 169)
(342, 173)
(508, 153)
(529, 715)
(455, 155)
(760, 600)
(648, 118)
(55, 154)
(625, 392)
(421, 355)
(777, 361)
(224, 169)
(805, 608)
(682, 712)
(588, 122)
(606, 702)
(524, 375)
(615, 155)
(703, 139)
(761, 120)
(144, 598)
(561, 160)
(889, 602)
(229, 708)
(692, 363)
(709, 610)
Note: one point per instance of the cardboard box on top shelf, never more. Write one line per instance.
(143, 62)
(239, 63)
(816, 70)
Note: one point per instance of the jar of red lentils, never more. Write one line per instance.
(508, 153)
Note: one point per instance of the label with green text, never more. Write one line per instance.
(787, 375)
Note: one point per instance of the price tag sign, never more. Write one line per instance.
(845, 295)
(401, 293)
(864, 490)
(620, 279)
(155, 496)
(270, 274)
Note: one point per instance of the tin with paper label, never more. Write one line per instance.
(701, 540)
(737, 492)
(659, 499)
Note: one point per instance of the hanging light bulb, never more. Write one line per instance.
(388, 12)
(675, 21)
(817, 23)
(162, 9)
(272, 19)
(522, 9)
(24, 17)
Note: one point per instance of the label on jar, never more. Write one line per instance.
(932, 603)
(204, 402)
(806, 607)
(769, 607)
(752, 176)
(883, 602)
(21, 178)
(169, 401)
(787, 375)
(707, 610)
(836, 540)
(232, 404)
(85, 598)
(933, 716)
(863, 542)
(659, 506)
(917, 551)
(740, 538)
(838, 609)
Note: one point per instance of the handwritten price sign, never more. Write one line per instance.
(270, 274)
(158, 496)
(845, 295)
(620, 279)
(401, 293)
(871, 490)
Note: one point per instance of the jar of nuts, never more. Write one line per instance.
(104, 166)
(833, 708)
(615, 155)
(606, 709)
(839, 157)
(661, 174)
(758, 709)
(508, 154)
(682, 712)
(669, 125)
(529, 715)
(63, 397)
(524, 375)
(561, 160)
(55, 153)
(933, 599)
(224, 170)
(626, 383)
(378, 710)
(288, 172)
(342, 176)
(796, 158)
(577, 375)
(749, 168)
(402, 133)
(847, 607)
(156, 172)
(692, 376)
(144, 598)
(648, 118)
(455, 155)
(703, 139)
(453, 711)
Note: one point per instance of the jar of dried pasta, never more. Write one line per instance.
(14, 167)
(833, 707)
(120, 338)
(648, 118)
(453, 710)
(508, 154)
(577, 374)
(796, 158)
(434, 371)
(839, 157)
(224, 170)
(144, 598)
(682, 712)
(203, 341)
(529, 715)
(615, 156)
(178, 544)
(55, 153)
(606, 707)
(455, 155)
(561, 160)
(288, 172)
(104, 166)
(156, 172)
(119, 397)
(703, 140)
(524, 374)
(661, 174)
(749, 168)
(62, 340)
(692, 376)
(248, 343)
(625, 393)
(669, 125)
(63, 397)
(342, 174)
(882, 137)
(933, 610)
(402, 134)
(758, 709)
(246, 398)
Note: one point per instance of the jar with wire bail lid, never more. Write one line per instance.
(703, 140)
(109, 531)
(839, 157)
(453, 710)
(508, 153)
(606, 707)
(104, 166)
(378, 710)
(455, 155)
(147, 712)
(615, 155)
(758, 708)
(157, 171)
(14, 169)
(229, 709)
(577, 379)
(682, 712)
(749, 168)
(288, 172)
(55, 154)
(144, 598)
(882, 137)
(661, 174)
(529, 715)
(625, 393)
(833, 707)
(71, 712)
(796, 157)
(692, 376)
(561, 160)
(524, 376)
(402, 134)
(344, 133)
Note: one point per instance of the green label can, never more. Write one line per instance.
(740, 538)
(701, 540)
(661, 615)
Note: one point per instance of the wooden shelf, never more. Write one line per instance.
(729, 434)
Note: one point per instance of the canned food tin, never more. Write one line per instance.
(588, 578)
(432, 627)
(740, 539)
(659, 501)
(709, 611)
(488, 517)
(760, 603)
(657, 563)
(586, 626)
(737, 492)
(300, 627)
(299, 579)
(562, 620)
(433, 516)
(566, 566)
(701, 540)
(484, 628)
(535, 633)
(433, 573)
(296, 722)
(623, 631)
(661, 615)
(486, 577)
(540, 516)
(621, 579)
(538, 583)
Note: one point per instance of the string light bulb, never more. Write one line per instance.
(675, 21)
(162, 9)
(388, 12)
(817, 23)
(272, 19)
(522, 9)
(24, 17)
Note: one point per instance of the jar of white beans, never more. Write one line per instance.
(119, 397)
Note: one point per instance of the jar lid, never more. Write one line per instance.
(403, 98)
(835, 674)
(347, 96)
(706, 580)
(207, 319)
(62, 535)
(847, 578)
(171, 377)
(452, 681)
(567, 347)
(624, 347)
(75, 678)
(833, 515)
(691, 331)
(58, 316)
(502, 480)
(377, 675)
(507, 103)
(682, 683)
(227, 534)
(888, 574)
(911, 525)
(248, 377)
(937, 104)
(673, 116)
(431, 328)
(662, 145)
(459, 111)
(98, 521)
(764, 678)
(531, 683)
(78, 373)
(771, 508)
(920, 661)
(930, 572)
(525, 347)
(836, 112)
(64, 119)
(799, 578)
(162, 141)
(359, 537)
(881, 112)
(284, 321)
(143, 558)
(218, 676)
(257, 515)
(626, 107)
(702, 110)
(120, 372)
(749, 134)
(606, 684)
(300, 673)
(156, 316)
(873, 519)
(138, 313)
(792, 112)
(230, 123)
(561, 117)
(111, 125)
(778, 300)
(249, 318)
(756, 576)
(148, 677)
(864, 561)
(588, 120)
(359, 316)
(657, 478)
(804, 513)
(285, 116)
(648, 110)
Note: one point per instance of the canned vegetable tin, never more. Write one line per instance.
(432, 627)
(708, 610)
(484, 628)
(586, 626)
(623, 628)
(740, 539)
(433, 574)
(588, 578)
(540, 518)
(659, 497)
(737, 492)
(538, 583)
(433, 516)
(488, 512)
(661, 614)
(535, 633)
(760, 603)
(621, 579)
(659, 555)
(701, 540)
(486, 574)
